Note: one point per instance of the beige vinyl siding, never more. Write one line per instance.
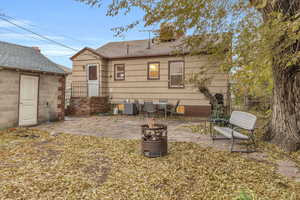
(136, 85)
(79, 70)
(104, 78)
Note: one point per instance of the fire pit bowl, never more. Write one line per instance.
(154, 142)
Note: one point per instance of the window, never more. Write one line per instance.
(153, 71)
(92, 69)
(176, 74)
(119, 72)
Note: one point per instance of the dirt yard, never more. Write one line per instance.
(99, 158)
(37, 165)
(179, 130)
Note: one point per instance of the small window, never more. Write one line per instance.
(119, 72)
(92, 69)
(176, 74)
(153, 71)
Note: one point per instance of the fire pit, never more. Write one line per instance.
(154, 140)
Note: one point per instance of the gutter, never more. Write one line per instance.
(33, 71)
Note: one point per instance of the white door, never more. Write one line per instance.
(28, 100)
(93, 82)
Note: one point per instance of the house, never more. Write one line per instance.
(145, 70)
(31, 87)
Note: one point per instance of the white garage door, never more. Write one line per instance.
(28, 100)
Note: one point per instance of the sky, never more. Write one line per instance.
(66, 21)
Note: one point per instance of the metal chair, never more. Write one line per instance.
(138, 106)
(238, 120)
(162, 104)
(130, 109)
(149, 108)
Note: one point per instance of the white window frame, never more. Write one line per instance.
(183, 73)
(115, 72)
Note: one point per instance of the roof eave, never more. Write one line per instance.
(30, 70)
(88, 49)
(158, 55)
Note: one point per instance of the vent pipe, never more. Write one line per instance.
(149, 44)
(149, 41)
(127, 49)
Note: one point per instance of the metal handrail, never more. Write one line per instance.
(81, 88)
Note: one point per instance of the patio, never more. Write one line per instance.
(180, 129)
(129, 127)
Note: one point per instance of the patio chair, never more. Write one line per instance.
(162, 105)
(138, 106)
(130, 109)
(173, 110)
(238, 120)
(149, 108)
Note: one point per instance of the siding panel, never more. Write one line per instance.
(136, 85)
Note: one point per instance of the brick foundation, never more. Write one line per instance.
(197, 111)
(61, 98)
(80, 106)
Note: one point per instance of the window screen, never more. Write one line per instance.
(119, 72)
(176, 74)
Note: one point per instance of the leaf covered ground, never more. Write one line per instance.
(35, 165)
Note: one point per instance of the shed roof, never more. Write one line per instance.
(66, 69)
(26, 58)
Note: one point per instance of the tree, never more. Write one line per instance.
(265, 42)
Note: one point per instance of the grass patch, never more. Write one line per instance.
(87, 167)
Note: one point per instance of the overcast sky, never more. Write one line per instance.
(67, 21)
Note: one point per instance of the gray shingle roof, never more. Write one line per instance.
(66, 69)
(26, 58)
(137, 48)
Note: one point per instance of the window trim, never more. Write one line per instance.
(169, 74)
(148, 67)
(115, 73)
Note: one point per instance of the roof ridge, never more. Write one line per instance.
(127, 41)
(120, 42)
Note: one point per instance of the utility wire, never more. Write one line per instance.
(19, 33)
(37, 34)
(29, 36)
(42, 28)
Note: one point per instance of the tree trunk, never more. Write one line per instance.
(205, 91)
(284, 127)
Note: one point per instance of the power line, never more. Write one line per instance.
(30, 36)
(19, 33)
(59, 34)
(37, 34)
(42, 28)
